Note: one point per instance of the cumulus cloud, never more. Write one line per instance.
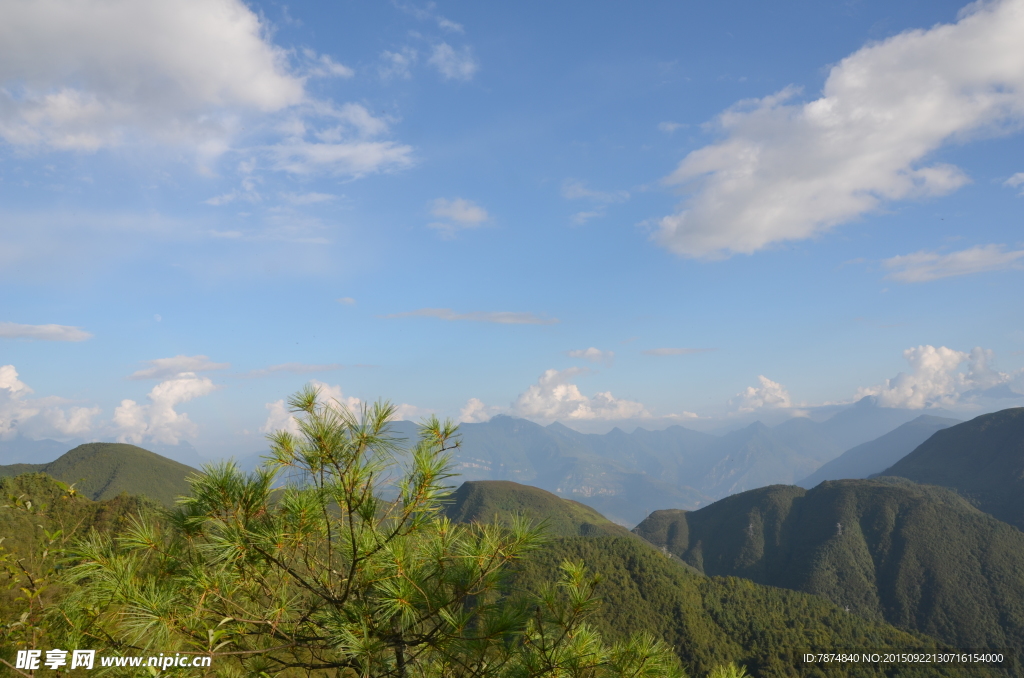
(789, 171)
(454, 64)
(674, 351)
(768, 394)
(161, 368)
(199, 74)
(90, 74)
(279, 418)
(458, 214)
(20, 414)
(158, 421)
(937, 378)
(476, 412)
(499, 317)
(925, 266)
(43, 332)
(594, 355)
(553, 397)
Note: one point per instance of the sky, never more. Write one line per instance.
(602, 213)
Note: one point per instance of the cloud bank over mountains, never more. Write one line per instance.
(788, 171)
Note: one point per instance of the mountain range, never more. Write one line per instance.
(982, 459)
(918, 557)
(626, 476)
(873, 457)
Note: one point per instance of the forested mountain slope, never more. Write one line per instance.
(105, 470)
(982, 459)
(917, 557)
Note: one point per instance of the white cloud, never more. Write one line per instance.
(458, 214)
(428, 13)
(1016, 181)
(279, 418)
(323, 66)
(396, 65)
(769, 394)
(790, 171)
(594, 355)
(20, 414)
(499, 317)
(453, 64)
(675, 351)
(573, 189)
(158, 421)
(199, 74)
(43, 332)
(580, 218)
(476, 412)
(553, 397)
(936, 378)
(355, 159)
(91, 74)
(161, 368)
(925, 266)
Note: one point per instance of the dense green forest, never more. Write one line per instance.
(982, 459)
(918, 557)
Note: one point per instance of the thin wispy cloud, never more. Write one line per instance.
(675, 351)
(164, 368)
(454, 64)
(573, 189)
(1016, 181)
(926, 266)
(789, 171)
(293, 368)
(499, 317)
(456, 214)
(43, 332)
(593, 354)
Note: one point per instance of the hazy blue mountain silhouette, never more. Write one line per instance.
(875, 456)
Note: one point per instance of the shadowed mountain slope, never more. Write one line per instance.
(917, 557)
(982, 459)
(875, 456)
(104, 470)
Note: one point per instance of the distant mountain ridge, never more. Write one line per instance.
(104, 470)
(915, 556)
(982, 459)
(626, 476)
(874, 456)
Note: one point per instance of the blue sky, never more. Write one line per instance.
(598, 213)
